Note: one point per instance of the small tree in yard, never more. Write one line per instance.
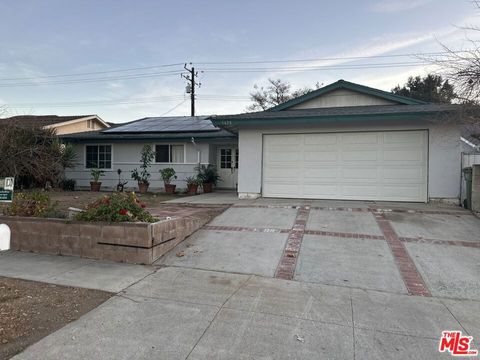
(34, 156)
(143, 176)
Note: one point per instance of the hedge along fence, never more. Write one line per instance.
(136, 243)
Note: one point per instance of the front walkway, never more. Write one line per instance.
(71, 271)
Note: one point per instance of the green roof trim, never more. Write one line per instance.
(342, 84)
(319, 119)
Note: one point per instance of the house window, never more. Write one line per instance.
(225, 158)
(169, 154)
(98, 157)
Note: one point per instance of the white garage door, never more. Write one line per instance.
(389, 165)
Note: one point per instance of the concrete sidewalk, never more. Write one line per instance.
(193, 314)
(71, 271)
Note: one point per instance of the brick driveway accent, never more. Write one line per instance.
(440, 242)
(410, 275)
(288, 261)
(344, 235)
(244, 228)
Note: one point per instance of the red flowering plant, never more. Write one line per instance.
(117, 207)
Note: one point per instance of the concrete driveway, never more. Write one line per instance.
(416, 249)
(286, 279)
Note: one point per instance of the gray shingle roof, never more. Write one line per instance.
(341, 111)
(39, 120)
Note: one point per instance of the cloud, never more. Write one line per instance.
(393, 6)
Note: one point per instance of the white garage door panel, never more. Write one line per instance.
(324, 191)
(390, 166)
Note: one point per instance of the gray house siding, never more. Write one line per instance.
(126, 156)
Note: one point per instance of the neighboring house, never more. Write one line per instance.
(62, 124)
(471, 138)
(180, 142)
(352, 142)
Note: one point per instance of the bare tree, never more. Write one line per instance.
(276, 92)
(462, 68)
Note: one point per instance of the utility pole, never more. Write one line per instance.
(190, 77)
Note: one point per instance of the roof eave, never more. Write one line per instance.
(227, 123)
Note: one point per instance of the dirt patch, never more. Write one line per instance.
(31, 310)
(80, 199)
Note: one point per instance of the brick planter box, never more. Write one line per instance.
(137, 243)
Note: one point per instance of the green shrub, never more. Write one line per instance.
(96, 173)
(208, 174)
(68, 184)
(168, 174)
(118, 207)
(31, 203)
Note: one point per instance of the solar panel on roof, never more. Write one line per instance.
(167, 124)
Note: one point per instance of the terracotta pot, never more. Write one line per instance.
(143, 187)
(170, 188)
(207, 187)
(95, 186)
(192, 189)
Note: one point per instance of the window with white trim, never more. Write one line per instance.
(169, 153)
(98, 156)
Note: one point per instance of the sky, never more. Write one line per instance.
(73, 57)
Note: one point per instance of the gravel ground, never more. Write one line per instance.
(31, 310)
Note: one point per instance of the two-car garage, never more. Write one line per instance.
(383, 165)
(348, 141)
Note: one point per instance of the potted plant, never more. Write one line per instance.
(143, 175)
(208, 176)
(192, 185)
(96, 184)
(167, 175)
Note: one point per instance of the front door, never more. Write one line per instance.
(227, 164)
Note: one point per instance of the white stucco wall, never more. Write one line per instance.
(126, 156)
(444, 152)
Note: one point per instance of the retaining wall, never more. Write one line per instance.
(137, 243)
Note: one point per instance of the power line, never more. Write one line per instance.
(329, 58)
(224, 63)
(316, 68)
(176, 106)
(97, 104)
(219, 70)
(128, 101)
(90, 73)
(91, 80)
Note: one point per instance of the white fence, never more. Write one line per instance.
(467, 160)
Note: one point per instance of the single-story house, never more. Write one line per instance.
(342, 141)
(348, 141)
(61, 124)
(180, 142)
